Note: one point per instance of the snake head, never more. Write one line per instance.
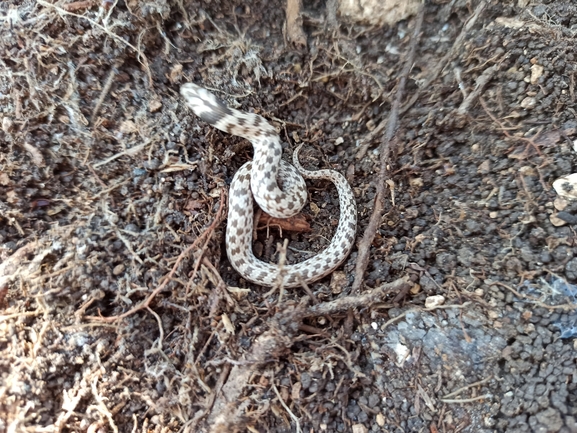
(204, 104)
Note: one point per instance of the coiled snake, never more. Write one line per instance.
(263, 176)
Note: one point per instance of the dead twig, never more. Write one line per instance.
(294, 23)
(535, 301)
(385, 161)
(220, 290)
(480, 83)
(82, 4)
(104, 92)
(419, 309)
(529, 141)
(464, 388)
(146, 303)
(432, 76)
(467, 400)
(141, 57)
(292, 415)
(357, 301)
(273, 343)
(130, 152)
(12, 266)
(280, 273)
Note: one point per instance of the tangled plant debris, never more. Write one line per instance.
(119, 310)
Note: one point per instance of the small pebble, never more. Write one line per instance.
(359, 428)
(560, 203)
(528, 103)
(118, 269)
(566, 186)
(556, 221)
(434, 301)
(567, 217)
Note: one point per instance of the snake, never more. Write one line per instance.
(278, 188)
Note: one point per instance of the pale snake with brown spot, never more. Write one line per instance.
(261, 176)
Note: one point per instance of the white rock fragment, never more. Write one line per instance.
(7, 124)
(402, 352)
(434, 301)
(528, 103)
(566, 186)
(35, 154)
(509, 22)
(359, 428)
(378, 12)
(536, 73)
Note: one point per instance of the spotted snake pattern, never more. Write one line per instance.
(260, 179)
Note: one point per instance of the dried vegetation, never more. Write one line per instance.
(118, 309)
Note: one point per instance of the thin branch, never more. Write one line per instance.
(147, 301)
(292, 415)
(535, 301)
(272, 343)
(467, 400)
(432, 75)
(385, 162)
(141, 57)
(471, 385)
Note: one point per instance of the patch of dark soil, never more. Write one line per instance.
(112, 205)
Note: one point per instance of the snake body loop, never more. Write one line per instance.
(260, 179)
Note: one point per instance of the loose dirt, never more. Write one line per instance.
(118, 308)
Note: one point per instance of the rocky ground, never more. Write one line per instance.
(118, 308)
